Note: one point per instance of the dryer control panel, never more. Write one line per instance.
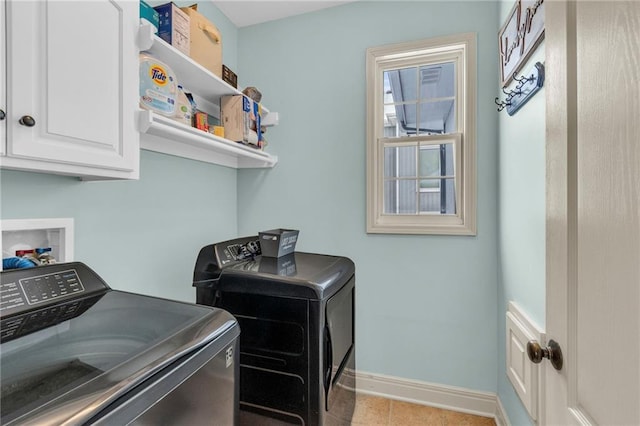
(214, 257)
(237, 250)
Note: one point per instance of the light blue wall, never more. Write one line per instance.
(522, 222)
(141, 236)
(426, 307)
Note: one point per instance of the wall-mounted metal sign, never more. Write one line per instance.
(519, 36)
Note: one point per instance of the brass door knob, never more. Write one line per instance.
(27, 120)
(551, 352)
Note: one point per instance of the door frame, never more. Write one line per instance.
(561, 198)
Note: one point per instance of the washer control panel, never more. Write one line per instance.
(51, 286)
(23, 290)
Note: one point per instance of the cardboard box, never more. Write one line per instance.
(217, 130)
(235, 114)
(201, 121)
(149, 14)
(174, 26)
(229, 77)
(240, 117)
(257, 112)
(205, 41)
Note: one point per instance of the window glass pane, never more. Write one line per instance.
(407, 161)
(436, 160)
(430, 202)
(387, 97)
(407, 198)
(430, 161)
(430, 184)
(436, 117)
(401, 85)
(438, 196)
(399, 120)
(448, 160)
(390, 163)
(400, 196)
(402, 88)
(437, 81)
(389, 121)
(390, 196)
(400, 161)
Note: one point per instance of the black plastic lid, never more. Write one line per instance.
(303, 275)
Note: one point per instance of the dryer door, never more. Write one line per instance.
(339, 351)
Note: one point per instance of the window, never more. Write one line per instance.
(421, 99)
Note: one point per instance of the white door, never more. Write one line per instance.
(72, 68)
(593, 212)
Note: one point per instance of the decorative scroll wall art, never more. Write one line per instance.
(519, 37)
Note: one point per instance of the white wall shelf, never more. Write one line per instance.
(196, 78)
(162, 134)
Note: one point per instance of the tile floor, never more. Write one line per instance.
(377, 411)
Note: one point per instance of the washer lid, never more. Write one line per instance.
(70, 370)
(304, 275)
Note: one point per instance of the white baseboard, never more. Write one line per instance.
(453, 398)
(501, 415)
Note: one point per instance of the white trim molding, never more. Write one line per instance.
(460, 49)
(501, 417)
(525, 376)
(463, 400)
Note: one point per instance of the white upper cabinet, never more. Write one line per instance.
(72, 84)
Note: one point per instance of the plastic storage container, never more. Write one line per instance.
(158, 86)
(278, 242)
(183, 108)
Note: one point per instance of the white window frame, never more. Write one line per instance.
(460, 48)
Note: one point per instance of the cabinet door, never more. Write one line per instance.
(73, 67)
(3, 81)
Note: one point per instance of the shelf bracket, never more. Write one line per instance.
(145, 35)
(145, 120)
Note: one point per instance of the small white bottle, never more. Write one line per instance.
(183, 108)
